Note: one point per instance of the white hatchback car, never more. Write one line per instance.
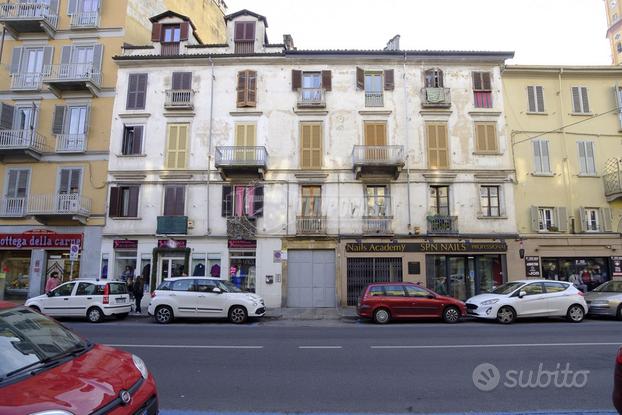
(203, 297)
(529, 298)
(93, 299)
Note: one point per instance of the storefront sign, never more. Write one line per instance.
(39, 239)
(532, 266)
(431, 247)
(616, 266)
(172, 243)
(242, 244)
(125, 244)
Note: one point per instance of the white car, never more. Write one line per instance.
(93, 299)
(529, 298)
(203, 297)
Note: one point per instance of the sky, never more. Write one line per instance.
(540, 32)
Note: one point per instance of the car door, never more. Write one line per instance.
(83, 297)
(209, 303)
(422, 302)
(58, 303)
(558, 298)
(397, 300)
(534, 303)
(183, 297)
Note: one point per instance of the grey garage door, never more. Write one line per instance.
(311, 279)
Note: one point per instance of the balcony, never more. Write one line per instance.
(378, 161)
(436, 97)
(241, 227)
(374, 99)
(241, 162)
(377, 225)
(311, 225)
(85, 20)
(21, 144)
(52, 208)
(182, 99)
(169, 48)
(26, 81)
(70, 143)
(20, 18)
(12, 207)
(311, 98)
(244, 47)
(72, 77)
(172, 225)
(442, 225)
(613, 179)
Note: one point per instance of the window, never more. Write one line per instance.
(486, 138)
(541, 156)
(26, 117)
(535, 98)
(16, 192)
(181, 81)
(204, 286)
(439, 200)
(482, 89)
(64, 290)
(589, 217)
(132, 140)
(311, 145)
(533, 289)
(244, 37)
(547, 219)
(438, 151)
(587, 165)
(394, 291)
(311, 87)
(376, 291)
(247, 89)
(238, 201)
(183, 285)
(174, 200)
(489, 197)
(373, 90)
(433, 78)
(413, 291)
(311, 201)
(378, 201)
(123, 202)
(554, 287)
(176, 147)
(245, 137)
(70, 124)
(70, 181)
(171, 33)
(27, 65)
(580, 104)
(136, 91)
(86, 288)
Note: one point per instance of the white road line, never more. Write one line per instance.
(320, 347)
(483, 346)
(182, 346)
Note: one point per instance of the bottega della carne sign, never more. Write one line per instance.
(432, 247)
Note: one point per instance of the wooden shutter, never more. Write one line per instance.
(531, 99)
(113, 207)
(58, 124)
(477, 81)
(360, 79)
(537, 156)
(606, 219)
(48, 53)
(169, 201)
(133, 202)
(486, 82)
(311, 145)
(486, 138)
(583, 166)
(180, 200)
(156, 32)
(184, 31)
(389, 80)
(176, 81)
(242, 89)
(296, 79)
(251, 88)
(535, 219)
(438, 152)
(53, 6)
(244, 31)
(182, 81)
(239, 31)
(582, 226)
(540, 98)
(227, 201)
(562, 219)
(177, 146)
(375, 134)
(576, 99)
(7, 113)
(136, 91)
(258, 202)
(137, 146)
(327, 80)
(16, 60)
(250, 31)
(584, 100)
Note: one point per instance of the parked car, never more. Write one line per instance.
(203, 297)
(384, 302)
(93, 299)
(47, 369)
(606, 299)
(529, 298)
(617, 383)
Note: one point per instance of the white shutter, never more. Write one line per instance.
(535, 219)
(544, 151)
(537, 156)
(531, 99)
(582, 157)
(589, 157)
(582, 221)
(540, 98)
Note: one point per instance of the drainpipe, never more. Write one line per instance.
(2, 43)
(209, 143)
(565, 166)
(407, 146)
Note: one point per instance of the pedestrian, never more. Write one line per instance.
(52, 282)
(138, 292)
(130, 287)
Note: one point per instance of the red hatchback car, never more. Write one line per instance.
(46, 369)
(383, 302)
(617, 383)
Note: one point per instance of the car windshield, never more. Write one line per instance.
(507, 288)
(228, 287)
(28, 339)
(610, 287)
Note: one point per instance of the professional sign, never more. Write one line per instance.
(172, 243)
(532, 267)
(125, 244)
(430, 247)
(39, 239)
(616, 266)
(242, 244)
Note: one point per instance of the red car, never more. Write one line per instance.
(617, 383)
(45, 368)
(383, 302)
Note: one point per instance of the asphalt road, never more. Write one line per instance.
(359, 367)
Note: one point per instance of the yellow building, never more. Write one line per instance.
(614, 29)
(565, 128)
(57, 87)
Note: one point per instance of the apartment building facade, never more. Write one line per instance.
(564, 124)
(57, 88)
(303, 175)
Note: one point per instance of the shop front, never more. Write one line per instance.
(243, 264)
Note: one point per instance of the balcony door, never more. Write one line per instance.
(69, 183)
(245, 136)
(377, 201)
(88, 6)
(16, 192)
(376, 141)
(31, 67)
(76, 127)
(82, 59)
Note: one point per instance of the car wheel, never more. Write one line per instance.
(94, 315)
(121, 316)
(451, 315)
(506, 315)
(163, 314)
(238, 314)
(619, 315)
(35, 308)
(382, 316)
(575, 313)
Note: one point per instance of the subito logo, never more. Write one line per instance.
(486, 377)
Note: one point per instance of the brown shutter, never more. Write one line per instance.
(186, 81)
(327, 81)
(184, 30)
(239, 31)
(491, 138)
(141, 91)
(133, 202)
(389, 80)
(441, 82)
(316, 145)
(241, 90)
(258, 202)
(251, 80)
(169, 200)
(7, 113)
(486, 83)
(477, 81)
(137, 147)
(177, 81)
(113, 207)
(180, 200)
(480, 138)
(156, 32)
(360, 79)
(296, 80)
(58, 124)
(227, 202)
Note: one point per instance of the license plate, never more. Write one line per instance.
(120, 300)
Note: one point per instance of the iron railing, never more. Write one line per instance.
(436, 97)
(26, 81)
(28, 11)
(613, 179)
(71, 143)
(59, 204)
(83, 20)
(310, 225)
(12, 207)
(441, 224)
(169, 48)
(21, 140)
(72, 72)
(374, 99)
(244, 46)
(179, 98)
(377, 224)
(311, 97)
(378, 155)
(364, 271)
(227, 156)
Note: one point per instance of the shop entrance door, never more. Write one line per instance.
(169, 267)
(462, 277)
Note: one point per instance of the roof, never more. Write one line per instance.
(565, 68)
(246, 12)
(170, 13)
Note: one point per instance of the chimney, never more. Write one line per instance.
(288, 41)
(393, 44)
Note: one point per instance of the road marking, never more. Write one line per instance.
(182, 346)
(320, 347)
(476, 346)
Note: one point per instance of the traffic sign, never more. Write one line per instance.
(74, 251)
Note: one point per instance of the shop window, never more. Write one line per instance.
(242, 270)
(365, 271)
(15, 266)
(125, 265)
(104, 267)
(584, 273)
(145, 272)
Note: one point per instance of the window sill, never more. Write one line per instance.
(482, 153)
(536, 113)
(491, 217)
(582, 114)
(125, 156)
(589, 176)
(550, 232)
(122, 218)
(543, 174)
(135, 114)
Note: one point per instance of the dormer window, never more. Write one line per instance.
(244, 37)
(169, 35)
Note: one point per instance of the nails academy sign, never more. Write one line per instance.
(39, 240)
(429, 247)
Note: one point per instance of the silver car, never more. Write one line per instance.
(606, 299)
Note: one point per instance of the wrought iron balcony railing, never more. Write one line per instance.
(230, 156)
(72, 72)
(11, 140)
(441, 224)
(85, 20)
(311, 98)
(311, 225)
(28, 11)
(436, 97)
(612, 177)
(12, 207)
(71, 143)
(26, 81)
(179, 98)
(378, 155)
(377, 224)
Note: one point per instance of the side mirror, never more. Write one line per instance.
(216, 290)
(50, 293)
(522, 294)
